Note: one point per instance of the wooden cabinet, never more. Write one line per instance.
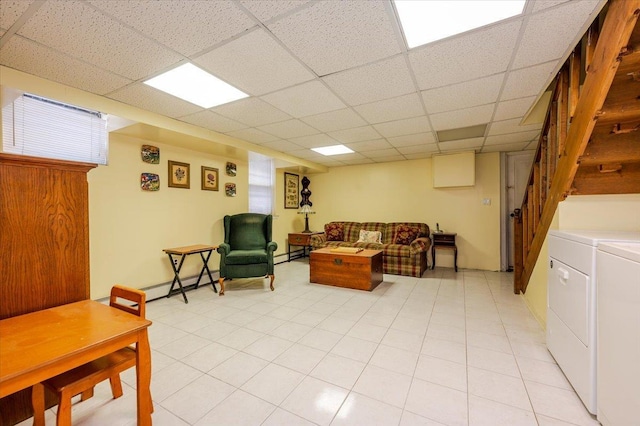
(44, 235)
(361, 271)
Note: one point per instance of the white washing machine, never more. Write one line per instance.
(571, 305)
(618, 333)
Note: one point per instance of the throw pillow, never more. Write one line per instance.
(370, 237)
(405, 235)
(334, 231)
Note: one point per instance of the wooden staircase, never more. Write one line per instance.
(590, 140)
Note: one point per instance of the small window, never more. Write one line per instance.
(261, 172)
(40, 127)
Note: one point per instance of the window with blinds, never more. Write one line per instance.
(261, 183)
(40, 127)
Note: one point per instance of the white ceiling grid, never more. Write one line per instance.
(318, 72)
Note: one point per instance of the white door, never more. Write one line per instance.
(518, 166)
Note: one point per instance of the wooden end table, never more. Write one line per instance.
(444, 240)
(300, 239)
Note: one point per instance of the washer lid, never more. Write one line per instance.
(594, 237)
(629, 251)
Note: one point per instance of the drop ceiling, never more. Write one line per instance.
(318, 73)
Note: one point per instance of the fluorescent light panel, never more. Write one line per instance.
(332, 150)
(427, 21)
(197, 86)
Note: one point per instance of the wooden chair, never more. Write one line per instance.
(82, 380)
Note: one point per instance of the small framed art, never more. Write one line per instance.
(230, 189)
(291, 192)
(150, 154)
(149, 182)
(210, 179)
(179, 175)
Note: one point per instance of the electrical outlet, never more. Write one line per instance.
(486, 201)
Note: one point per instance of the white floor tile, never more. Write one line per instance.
(440, 403)
(208, 357)
(315, 400)
(394, 359)
(238, 369)
(383, 385)
(498, 362)
(483, 412)
(403, 340)
(171, 379)
(273, 383)
(338, 370)
(281, 417)
(357, 349)
(445, 349)
(498, 387)
(238, 409)
(442, 372)
(320, 339)
(360, 410)
(268, 347)
(559, 404)
(300, 358)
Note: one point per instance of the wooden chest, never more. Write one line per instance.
(362, 271)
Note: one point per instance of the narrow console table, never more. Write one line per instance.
(300, 239)
(176, 264)
(444, 240)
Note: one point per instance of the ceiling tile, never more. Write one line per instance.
(212, 121)
(252, 112)
(373, 145)
(548, 35)
(281, 145)
(314, 141)
(268, 9)
(146, 97)
(476, 54)
(190, 28)
(407, 126)
(464, 144)
(79, 30)
(419, 155)
(539, 5)
(463, 95)
(357, 162)
(528, 81)
(253, 135)
(385, 79)
(418, 149)
(462, 118)
(305, 154)
(511, 138)
(305, 99)
(33, 58)
(388, 158)
(378, 153)
(11, 10)
(349, 157)
(356, 134)
(332, 36)
(255, 63)
(289, 129)
(513, 108)
(511, 126)
(416, 139)
(505, 148)
(391, 109)
(335, 120)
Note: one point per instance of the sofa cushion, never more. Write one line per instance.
(334, 231)
(246, 257)
(370, 237)
(405, 234)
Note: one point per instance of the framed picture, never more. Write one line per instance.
(291, 192)
(231, 169)
(179, 175)
(210, 179)
(150, 154)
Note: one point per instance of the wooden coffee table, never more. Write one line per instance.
(361, 271)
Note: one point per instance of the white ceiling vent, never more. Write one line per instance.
(462, 133)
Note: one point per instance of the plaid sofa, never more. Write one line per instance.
(398, 259)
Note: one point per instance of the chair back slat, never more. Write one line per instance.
(138, 298)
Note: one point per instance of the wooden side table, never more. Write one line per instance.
(444, 240)
(300, 239)
(183, 252)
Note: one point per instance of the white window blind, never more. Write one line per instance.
(261, 185)
(41, 127)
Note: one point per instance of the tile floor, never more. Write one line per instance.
(445, 349)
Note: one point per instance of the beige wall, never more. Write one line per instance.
(128, 227)
(403, 191)
(601, 212)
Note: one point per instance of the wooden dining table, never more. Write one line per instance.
(42, 344)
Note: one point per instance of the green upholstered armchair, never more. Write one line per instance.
(247, 250)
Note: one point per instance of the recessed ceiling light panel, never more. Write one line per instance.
(197, 86)
(427, 21)
(332, 150)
